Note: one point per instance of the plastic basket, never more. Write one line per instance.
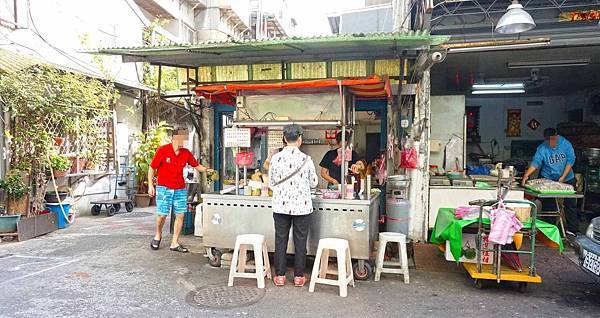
(244, 158)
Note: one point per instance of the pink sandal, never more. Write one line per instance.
(279, 280)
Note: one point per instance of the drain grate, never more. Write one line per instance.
(223, 297)
(135, 214)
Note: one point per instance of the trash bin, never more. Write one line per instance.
(60, 216)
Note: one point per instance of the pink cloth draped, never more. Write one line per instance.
(504, 225)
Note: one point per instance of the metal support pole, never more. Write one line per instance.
(344, 171)
(237, 179)
(187, 80)
(159, 78)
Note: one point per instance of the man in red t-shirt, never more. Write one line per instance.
(170, 192)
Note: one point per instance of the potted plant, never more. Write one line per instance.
(17, 193)
(77, 163)
(148, 142)
(58, 141)
(60, 165)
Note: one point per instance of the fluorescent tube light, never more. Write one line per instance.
(499, 86)
(558, 63)
(502, 47)
(498, 91)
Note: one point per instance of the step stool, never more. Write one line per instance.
(344, 273)
(400, 267)
(261, 259)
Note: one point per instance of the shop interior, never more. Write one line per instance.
(492, 107)
(367, 133)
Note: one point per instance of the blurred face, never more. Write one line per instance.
(552, 141)
(179, 141)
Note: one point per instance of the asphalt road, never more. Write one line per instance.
(103, 267)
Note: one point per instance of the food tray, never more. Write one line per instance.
(550, 191)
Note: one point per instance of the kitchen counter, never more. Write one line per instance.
(474, 188)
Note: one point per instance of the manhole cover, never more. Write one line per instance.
(135, 214)
(224, 297)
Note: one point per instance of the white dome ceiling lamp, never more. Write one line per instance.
(515, 20)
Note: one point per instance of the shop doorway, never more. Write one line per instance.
(373, 146)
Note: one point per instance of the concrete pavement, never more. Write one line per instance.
(103, 267)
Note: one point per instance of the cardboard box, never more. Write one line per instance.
(468, 242)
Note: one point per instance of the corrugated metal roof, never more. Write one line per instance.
(400, 36)
(12, 62)
(289, 49)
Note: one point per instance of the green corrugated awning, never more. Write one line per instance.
(293, 49)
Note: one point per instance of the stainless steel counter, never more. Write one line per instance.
(226, 216)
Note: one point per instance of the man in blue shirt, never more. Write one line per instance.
(555, 159)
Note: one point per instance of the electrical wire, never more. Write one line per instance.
(11, 42)
(413, 3)
(75, 60)
(135, 12)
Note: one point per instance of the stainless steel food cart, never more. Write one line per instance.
(227, 215)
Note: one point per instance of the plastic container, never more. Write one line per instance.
(330, 194)
(397, 218)
(8, 223)
(50, 197)
(60, 216)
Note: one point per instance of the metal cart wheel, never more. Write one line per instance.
(117, 206)
(111, 210)
(479, 283)
(129, 206)
(95, 209)
(362, 270)
(214, 259)
(522, 287)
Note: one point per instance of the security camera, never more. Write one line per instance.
(437, 57)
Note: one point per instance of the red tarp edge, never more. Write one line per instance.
(284, 85)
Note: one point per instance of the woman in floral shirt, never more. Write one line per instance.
(291, 175)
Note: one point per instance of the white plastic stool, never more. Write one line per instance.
(261, 259)
(400, 267)
(344, 261)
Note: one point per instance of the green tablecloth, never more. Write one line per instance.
(449, 228)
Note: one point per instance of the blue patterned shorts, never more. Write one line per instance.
(168, 200)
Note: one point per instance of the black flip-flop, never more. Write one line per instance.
(155, 244)
(179, 249)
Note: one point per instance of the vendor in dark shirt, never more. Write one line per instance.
(331, 165)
